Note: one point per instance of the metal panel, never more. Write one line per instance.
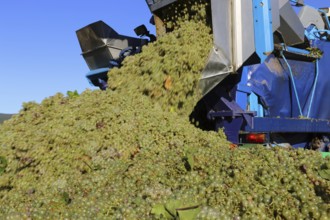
(219, 64)
(216, 70)
(283, 2)
(154, 5)
(271, 81)
(309, 16)
(243, 45)
(275, 14)
(234, 41)
(222, 25)
(263, 30)
(233, 29)
(291, 28)
(281, 125)
(100, 43)
(92, 36)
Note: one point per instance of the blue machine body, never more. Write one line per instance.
(274, 105)
(98, 77)
(280, 95)
(272, 83)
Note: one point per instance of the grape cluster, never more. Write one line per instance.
(131, 153)
(168, 70)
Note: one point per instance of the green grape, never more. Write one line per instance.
(121, 153)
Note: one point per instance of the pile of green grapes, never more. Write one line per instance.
(131, 153)
(168, 71)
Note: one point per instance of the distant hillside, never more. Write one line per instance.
(4, 117)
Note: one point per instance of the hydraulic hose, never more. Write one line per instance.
(293, 83)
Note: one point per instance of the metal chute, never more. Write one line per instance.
(232, 23)
(216, 69)
(100, 43)
(241, 28)
(103, 48)
(291, 28)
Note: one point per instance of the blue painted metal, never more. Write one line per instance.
(263, 30)
(231, 120)
(98, 77)
(243, 90)
(233, 112)
(314, 87)
(271, 84)
(312, 33)
(231, 128)
(247, 99)
(325, 17)
(97, 72)
(285, 125)
(270, 97)
(241, 99)
(296, 50)
(255, 105)
(293, 83)
(233, 106)
(322, 34)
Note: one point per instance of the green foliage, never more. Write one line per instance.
(72, 94)
(159, 211)
(176, 209)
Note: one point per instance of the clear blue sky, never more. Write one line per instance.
(39, 50)
(40, 53)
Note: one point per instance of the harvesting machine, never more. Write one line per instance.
(266, 78)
